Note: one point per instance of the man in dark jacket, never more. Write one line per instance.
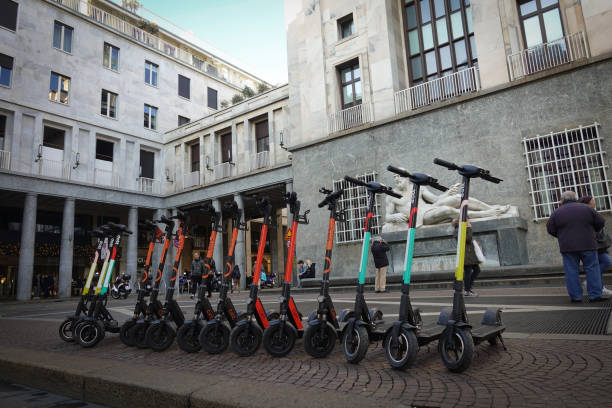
(574, 225)
(379, 253)
(197, 268)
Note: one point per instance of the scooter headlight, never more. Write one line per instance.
(320, 299)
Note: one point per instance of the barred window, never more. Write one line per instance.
(572, 159)
(355, 202)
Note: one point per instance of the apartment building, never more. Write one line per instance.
(520, 87)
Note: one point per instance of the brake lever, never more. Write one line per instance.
(303, 219)
(340, 216)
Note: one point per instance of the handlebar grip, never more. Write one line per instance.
(398, 170)
(444, 163)
(355, 181)
(331, 197)
(438, 186)
(491, 178)
(393, 193)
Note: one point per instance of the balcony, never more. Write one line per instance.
(106, 178)
(260, 160)
(548, 55)
(54, 168)
(350, 118)
(223, 170)
(438, 90)
(191, 179)
(148, 185)
(5, 160)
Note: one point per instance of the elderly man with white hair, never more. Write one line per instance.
(574, 225)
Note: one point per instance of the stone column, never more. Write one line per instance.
(239, 251)
(272, 138)
(289, 189)
(218, 252)
(26, 252)
(131, 253)
(66, 251)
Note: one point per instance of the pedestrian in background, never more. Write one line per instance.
(471, 263)
(381, 262)
(197, 269)
(301, 269)
(604, 241)
(574, 225)
(236, 278)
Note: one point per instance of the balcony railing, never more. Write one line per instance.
(349, 118)
(106, 178)
(53, 168)
(438, 90)
(260, 160)
(117, 23)
(223, 170)
(5, 160)
(548, 55)
(191, 179)
(148, 185)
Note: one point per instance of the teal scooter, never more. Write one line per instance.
(408, 333)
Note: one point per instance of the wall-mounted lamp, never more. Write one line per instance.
(208, 164)
(39, 154)
(282, 140)
(168, 175)
(77, 160)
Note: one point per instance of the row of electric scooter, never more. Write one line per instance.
(155, 325)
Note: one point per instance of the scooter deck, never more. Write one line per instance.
(485, 332)
(429, 333)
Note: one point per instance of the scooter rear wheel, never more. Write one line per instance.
(319, 341)
(456, 352)
(160, 335)
(65, 330)
(279, 341)
(187, 337)
(125, 333)
(139, 334)
(405, 351)
(246, 339)
(215, 338)
(355, 351)
(90, 333)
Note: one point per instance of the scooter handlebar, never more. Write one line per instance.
(355, 181)
(392, 193)
(486, 176)
(444, 163)
(398, 170)
(179, 215)
(438, 186)
(119, 228)
(331, 197)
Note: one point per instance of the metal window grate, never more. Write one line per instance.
(355, 202)
(572, 159)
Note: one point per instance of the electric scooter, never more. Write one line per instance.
(324, 327)
(137, 333)
(279, 337)
(90, 331)
(456, 345)
(246, 336)
(65, 329)
(160, 334)
(144, 289)
(365, 324)
(215, 333)
(408, 333)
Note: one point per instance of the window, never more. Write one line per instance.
(346, 27)
(62, 37)
(147, 164)
(355, 202)
(104, 150)
(183, 86)
(151, 73)
(195, 157)
(6, 70)
(439, 38)
(8, 14)
(262, 136)
(109, 104)
(2, 133)
(226, 147)
(111, 57)
(541, 21)
(183, 120)
(350, 84)
(212, 98)
(568, 160)
(150, 117)
(59, 87)
(53, 138)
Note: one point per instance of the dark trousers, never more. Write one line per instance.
(195, 281)
(470, 273)
(209, 282)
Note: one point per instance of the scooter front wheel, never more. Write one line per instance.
(355, 350)
(402, 354)
(246, 339)
(90, 333)
(215, 338)
(160, 335)
(138, 333)
(187, 337)
(456, 350)
(125, 333)
(65, 330)
(278, 340)
(319, 340)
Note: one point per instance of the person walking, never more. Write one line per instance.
(574, 225)
(381, 262)
(301, 270)
(471, 264)
(197, 269)
(236, 278)
(603, 243)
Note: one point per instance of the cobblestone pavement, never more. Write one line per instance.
(21, 396)
(549, 371)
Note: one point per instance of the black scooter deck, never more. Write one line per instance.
(485, 332)
(429, 333)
